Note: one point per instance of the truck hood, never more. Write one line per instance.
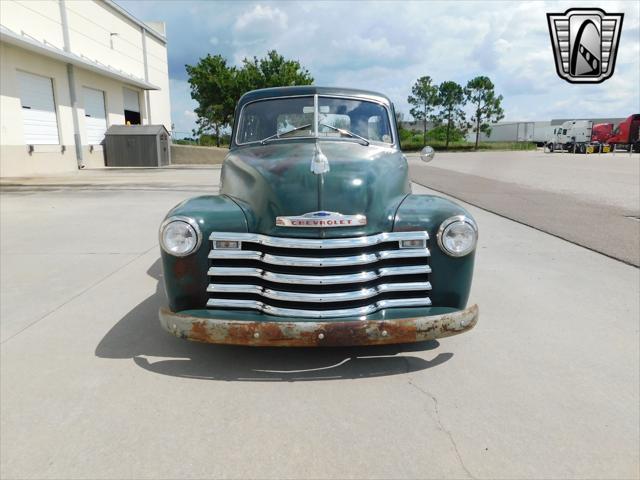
(274, 180)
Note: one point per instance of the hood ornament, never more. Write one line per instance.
(320, 162)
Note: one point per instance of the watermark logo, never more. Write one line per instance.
(585, 43)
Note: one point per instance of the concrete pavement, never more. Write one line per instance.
(593, 201)
(608, 178)
(546, 386)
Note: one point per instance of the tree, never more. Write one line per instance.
(214, 86)
(272, 71)
(486, 106)
(424, 97)
(217, 86)
(451, 99)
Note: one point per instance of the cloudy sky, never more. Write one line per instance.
(386, 46)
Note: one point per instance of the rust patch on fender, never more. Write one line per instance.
(180, 268)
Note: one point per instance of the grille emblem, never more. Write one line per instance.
(321, 219)
(585, 43)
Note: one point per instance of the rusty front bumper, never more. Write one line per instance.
(318, 333)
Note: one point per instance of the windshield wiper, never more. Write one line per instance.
(278, 135)
(347, 132)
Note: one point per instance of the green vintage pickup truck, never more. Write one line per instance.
(315, 238)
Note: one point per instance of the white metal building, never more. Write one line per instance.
(68, 70)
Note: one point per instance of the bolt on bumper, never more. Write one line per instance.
(318, 333)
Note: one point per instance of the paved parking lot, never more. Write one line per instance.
(590, 200)
(546, 386)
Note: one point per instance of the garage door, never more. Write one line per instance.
(95, 118)
(131, 101)
(131, 107)
(38, 109)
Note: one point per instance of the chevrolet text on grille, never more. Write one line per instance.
(321, 219)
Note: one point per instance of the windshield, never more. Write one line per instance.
(279, 118)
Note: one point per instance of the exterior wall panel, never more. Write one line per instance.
(91, 26)
(40, 19)
(158, 67)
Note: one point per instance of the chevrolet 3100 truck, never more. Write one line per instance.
(315, 237)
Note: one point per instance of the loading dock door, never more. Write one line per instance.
(131, 107)
(38, 109)
(95, 118)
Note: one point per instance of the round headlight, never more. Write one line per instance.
(458, 236)
(180, 236)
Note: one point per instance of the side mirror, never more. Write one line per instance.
(427, 154)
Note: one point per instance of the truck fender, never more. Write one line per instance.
(186, 285)
(451, 276)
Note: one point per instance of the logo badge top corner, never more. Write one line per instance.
(585, 43)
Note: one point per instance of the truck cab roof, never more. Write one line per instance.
(304, 90)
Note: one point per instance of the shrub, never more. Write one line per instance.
(439, 134)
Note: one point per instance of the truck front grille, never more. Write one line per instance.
(318, 278)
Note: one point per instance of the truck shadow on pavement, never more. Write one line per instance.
(138, 336)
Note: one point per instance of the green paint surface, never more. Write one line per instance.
(261, 182)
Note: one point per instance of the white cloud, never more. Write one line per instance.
(386, 46)
(259, 16)
(370, 47)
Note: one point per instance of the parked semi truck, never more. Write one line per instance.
(582, 136)
(573, 135)
(625, 135)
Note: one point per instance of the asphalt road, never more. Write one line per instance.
(546, 386)
(590, 200)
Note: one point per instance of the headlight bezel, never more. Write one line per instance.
(449, 222)
(190, 222)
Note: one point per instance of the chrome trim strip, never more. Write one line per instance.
(408, 270)
(404, 253)
(361, 294)
(292, 261)
(320, 243)
(319, 279)
(291, 312)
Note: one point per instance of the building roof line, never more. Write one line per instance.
(48, 50)
(140, 23)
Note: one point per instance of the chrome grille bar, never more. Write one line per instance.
(319, 279)
(293, 312)
(319, 297)
(325, 243)
(363, 259)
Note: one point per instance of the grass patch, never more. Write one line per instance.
(410, 146)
